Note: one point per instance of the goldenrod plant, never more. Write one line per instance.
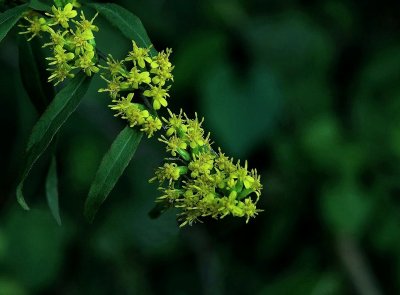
(195, 178)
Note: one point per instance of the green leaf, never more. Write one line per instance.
(128, 23)
(346, 208)
(52, 190)
(34, 75)
(35, 248)
(59, 110)
(111, 168)
(37, 5)
(9, 18)
(251, 102)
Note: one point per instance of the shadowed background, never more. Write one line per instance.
(307, 91)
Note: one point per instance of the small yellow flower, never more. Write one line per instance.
(87, 63)
(201, 164)
(175, 124)
(134, 113)
(139, 55)
(241, 174)
(61, 56)
(80, 40)
(151, 125)
(115, 67)
(189, 217)
(61, 72)
(57, 38)
(162, 68)
(113, 86)
(136, 116)
(256, 186)
(36, 25)
(224, 163)
(219, 179)
(249, 209)
(159, 96)
(122, 104)
(136, 77)
(195, 133)
(85, 24)
(170, 196)
(228, 205)
(169, 172)
(174, 144)
(62, 16)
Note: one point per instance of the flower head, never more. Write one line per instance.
(34, 27)
(139, 56)
(57, 38)
(169, 172)
(85, 24)
(62, 15)
(151, 125)
(159, 96)
(174, 144)
(135, 77)
(134, 74)
(72, 42)
(134, 113)
(80, 40)
(175, 124)
(113, 86)
(61, 56)
(211, 185)
(114, 67)
(60, 72)
(162, 68)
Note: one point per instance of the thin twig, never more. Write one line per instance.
(357, 266)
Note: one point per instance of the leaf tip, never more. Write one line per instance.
(21, 199)
(89, 213)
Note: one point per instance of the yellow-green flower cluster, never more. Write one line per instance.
(195, 179)
(71, 41)
(138, 86)
(136, 114)
(198, 180)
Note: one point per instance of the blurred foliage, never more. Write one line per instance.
(308, 91)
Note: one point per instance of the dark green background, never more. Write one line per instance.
(307, 91)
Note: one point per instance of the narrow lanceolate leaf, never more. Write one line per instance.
(128, 23)
(52, 190)
(111, 168)
(33, 73)
(59, 110)
(9, 18)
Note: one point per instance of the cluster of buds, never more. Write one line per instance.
(71, 41)
(199, 181)
(138, 86)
